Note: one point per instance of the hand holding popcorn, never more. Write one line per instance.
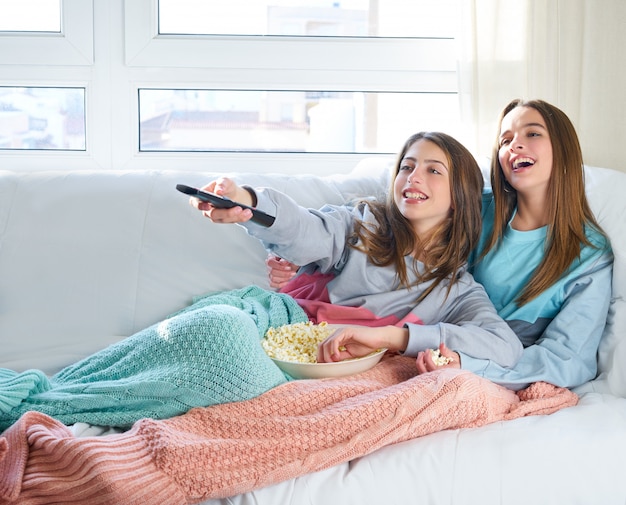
(433, 359)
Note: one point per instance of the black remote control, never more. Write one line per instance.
(221, 202)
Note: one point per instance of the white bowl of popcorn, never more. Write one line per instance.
(293, 348)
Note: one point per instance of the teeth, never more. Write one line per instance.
(522, 163)
(415, 196)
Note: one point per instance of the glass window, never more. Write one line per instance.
(346, 18)
(46, 32)
(42, 118)
(30, 15)
(288, 121)
(392, 73)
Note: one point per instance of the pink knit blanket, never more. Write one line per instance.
(296, 428)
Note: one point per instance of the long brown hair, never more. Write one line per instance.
(567, 207)
(446, 250)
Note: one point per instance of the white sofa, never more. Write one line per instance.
(87, 258)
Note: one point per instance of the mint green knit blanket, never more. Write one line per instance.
(205, 354)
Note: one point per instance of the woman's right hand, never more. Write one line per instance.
(279, 271)
(228, 188)
(359, 341)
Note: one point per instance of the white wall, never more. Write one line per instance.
(571, 53)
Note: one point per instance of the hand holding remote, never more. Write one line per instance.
(222, 202)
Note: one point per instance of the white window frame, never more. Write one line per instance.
(131, 55)
(73, 46)
(353, 57)
(63, 59)
(276, 63)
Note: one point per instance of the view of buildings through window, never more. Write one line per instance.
(42, 118)
(288, 121)
(312, 18)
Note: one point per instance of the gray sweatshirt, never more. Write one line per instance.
(465, 319)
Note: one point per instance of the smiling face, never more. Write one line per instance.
(525, 151)
(422, 186)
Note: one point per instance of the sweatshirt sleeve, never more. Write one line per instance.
(566, 353)
(466, 322)
(301, 235)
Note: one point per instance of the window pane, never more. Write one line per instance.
(348, 18)
(42, 118)
(30, 15)
(289, 121)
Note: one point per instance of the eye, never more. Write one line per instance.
(433, 170)
(405, 167)
(504, 141)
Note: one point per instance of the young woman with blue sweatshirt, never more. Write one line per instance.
(543, 258)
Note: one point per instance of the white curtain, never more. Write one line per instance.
(571, 53)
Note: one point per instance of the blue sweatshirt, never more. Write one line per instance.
(561, 328)
(465, 320)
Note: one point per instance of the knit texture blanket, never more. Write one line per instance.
(206, 354)
(296, 428)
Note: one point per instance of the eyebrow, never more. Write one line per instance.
(527, 125)
(427, 161)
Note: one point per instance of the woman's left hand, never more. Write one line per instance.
(425, 363)
(280, 271)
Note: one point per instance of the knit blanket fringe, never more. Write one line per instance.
(224, 450)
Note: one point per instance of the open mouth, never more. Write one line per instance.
(522, 163)
(412, 195)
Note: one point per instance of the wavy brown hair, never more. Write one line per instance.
(446, 250)
(568, 210)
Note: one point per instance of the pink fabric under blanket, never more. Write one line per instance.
(296, 428)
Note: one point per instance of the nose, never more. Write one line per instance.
(414, 176)
(516, 144)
